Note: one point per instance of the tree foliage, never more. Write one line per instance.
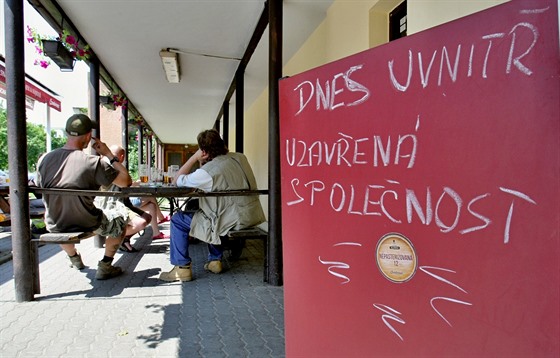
(133, 156)
(36, 142)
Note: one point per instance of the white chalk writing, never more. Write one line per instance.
(374, 199)
(449, 61)
(328, 96)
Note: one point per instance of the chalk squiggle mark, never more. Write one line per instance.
(425, 270)
(336, 265)
(450, 300)
(390, 315)
(534, 11)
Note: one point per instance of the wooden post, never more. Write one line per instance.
(140, 145)
(239, 108)
(124, 135)
(274, 257)
(95, 114)
(17, 150)
(225, 134)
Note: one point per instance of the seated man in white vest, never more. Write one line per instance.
(220, 170)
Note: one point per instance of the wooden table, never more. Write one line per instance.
(155, 191)
(4, 194)
(158, 191)
(34, 212)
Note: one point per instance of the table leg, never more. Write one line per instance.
(171, 206)
(4, 204)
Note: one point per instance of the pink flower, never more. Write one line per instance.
(30, 39)
(71, 40)
(41, 63)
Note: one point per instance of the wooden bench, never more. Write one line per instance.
(51, 238)
(235, 242)
(33, 214)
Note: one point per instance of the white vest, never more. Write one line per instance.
(218, 215)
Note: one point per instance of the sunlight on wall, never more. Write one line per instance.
(425, 14)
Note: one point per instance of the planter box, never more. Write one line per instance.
(60, 55)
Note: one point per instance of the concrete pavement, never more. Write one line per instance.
(233, 314)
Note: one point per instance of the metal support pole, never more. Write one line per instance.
(225, 134)
(48, 127)
(239, 109)
(149, 154)
(124, 135)
(95, 114)
(217, 125)
(17, 150)
(274, 256)
(140, 137)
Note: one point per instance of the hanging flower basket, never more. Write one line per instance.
(107, 102)
(136, 120)
(60, 55)
(113, 101)
(63, 50)
(120, 101)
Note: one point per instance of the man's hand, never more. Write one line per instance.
(201, 156)
(101, 148)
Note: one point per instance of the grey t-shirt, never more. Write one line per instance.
(72, 169)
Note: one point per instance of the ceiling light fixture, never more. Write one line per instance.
(187, 52)
(170, 62)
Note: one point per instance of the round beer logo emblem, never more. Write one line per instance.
(396, 257)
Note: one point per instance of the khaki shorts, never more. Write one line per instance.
(112, 228)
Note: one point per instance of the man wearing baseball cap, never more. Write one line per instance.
(70, 167)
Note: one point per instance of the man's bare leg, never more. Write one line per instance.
(73, 256)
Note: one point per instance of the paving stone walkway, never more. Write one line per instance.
(233, 314)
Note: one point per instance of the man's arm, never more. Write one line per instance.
(186, 168)
(123, 179)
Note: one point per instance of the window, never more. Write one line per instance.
(397, 22)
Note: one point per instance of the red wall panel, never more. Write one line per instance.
(420, 192)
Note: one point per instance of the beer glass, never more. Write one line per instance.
(144, 173)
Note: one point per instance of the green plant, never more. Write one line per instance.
(69, 41)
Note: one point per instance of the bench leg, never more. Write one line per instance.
(34, 252)
(265, 264)
(99, 241)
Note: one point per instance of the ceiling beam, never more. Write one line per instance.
(251, 47)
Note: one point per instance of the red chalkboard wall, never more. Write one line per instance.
(420, 193)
